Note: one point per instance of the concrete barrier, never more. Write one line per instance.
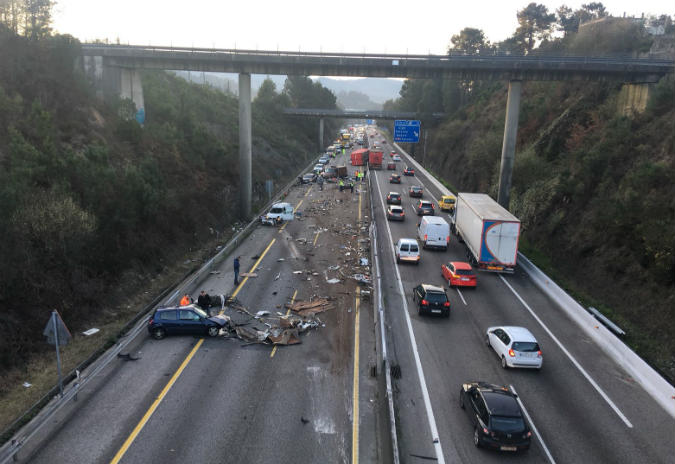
(653, 383)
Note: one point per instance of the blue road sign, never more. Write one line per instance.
(370, 122)
(406, 130)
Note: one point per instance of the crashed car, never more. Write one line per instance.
(308, 178)
(180, 320)
(278, 213)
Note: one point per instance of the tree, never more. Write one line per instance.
(534, 23)
(470, 40)
(38, 18)
(568, 21)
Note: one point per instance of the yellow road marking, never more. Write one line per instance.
(316, 236)
(355, 398)
(241, 284)
(294, 210)
(154, 405)
(274, 350)
(309, 190)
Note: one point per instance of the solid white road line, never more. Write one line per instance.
(534, 427)
(461, 296)
(569, 355)
(413, 343)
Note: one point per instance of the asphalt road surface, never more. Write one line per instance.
(568, 401)
(220, 400)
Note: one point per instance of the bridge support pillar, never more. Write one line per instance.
(245, 182)
(321, 135)
(509, 143)
(131, 88)
(115, 81)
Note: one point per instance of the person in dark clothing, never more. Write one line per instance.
(204, 301)
(236, 270)
(351, 186)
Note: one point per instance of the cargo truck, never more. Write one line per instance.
(489, 232)
(359, 157)
(375, 159)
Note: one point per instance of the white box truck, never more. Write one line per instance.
(433, 232)
(489, 231)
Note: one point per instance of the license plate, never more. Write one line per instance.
(507, 448)
(494, 268)
(435, 310)
(465, 279)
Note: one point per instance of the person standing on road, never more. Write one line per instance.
(320, 182)
(351, 186)
(236, 270)
(341, 185)
(204, 301)
(185, 300)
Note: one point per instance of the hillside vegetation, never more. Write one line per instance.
(593, 187)
(90, 200)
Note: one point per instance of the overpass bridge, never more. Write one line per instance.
(114, 69)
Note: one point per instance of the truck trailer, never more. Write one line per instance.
(359, 157)
(375, 159)
(489, 232)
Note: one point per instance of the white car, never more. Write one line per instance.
(396, 158)
(515, 346)
(407, 251)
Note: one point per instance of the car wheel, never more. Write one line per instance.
(461, 399)
(213, 331)
(504, 365)
(476, 437)
(398, 260)
(447, 314)
(158, 333)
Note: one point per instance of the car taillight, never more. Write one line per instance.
(402, 213)
(485, 431)
(447, 239)
(433, 206)
(150, 321)
(512, 353)
(446, 304)
(425, 237)
(539, 353)
(527, 435)
(425, 303)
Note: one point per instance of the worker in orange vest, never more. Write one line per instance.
(185, 300)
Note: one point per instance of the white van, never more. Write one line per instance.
(407, 250)
(433, 232)
(279, 212)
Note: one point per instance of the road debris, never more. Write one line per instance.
(333, 281)
(362, 278)
(306, 308)
(363, 261)
(248, 274)
(90, 332)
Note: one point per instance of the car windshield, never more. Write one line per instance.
(525, 347)
(507, 424)
(200, 312)
(434, 297)
(413, 247)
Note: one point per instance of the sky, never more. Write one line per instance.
(354, 26)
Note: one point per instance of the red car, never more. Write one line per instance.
(408, 171)
(459, 274)
(391, 166)
(392, 153)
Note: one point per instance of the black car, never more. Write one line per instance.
(395, 179)
(308, 178)
(395, 213)
(416, 191)
(181, 320)
(425, 208)
(498, 422)
(394, 198)
(408, 171)
(431, 299)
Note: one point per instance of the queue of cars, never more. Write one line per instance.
(493, 410)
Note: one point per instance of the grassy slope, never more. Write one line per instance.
(594, 190)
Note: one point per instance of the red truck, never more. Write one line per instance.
(375, 159)
(360, 157)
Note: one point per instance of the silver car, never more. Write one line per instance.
(515, 346)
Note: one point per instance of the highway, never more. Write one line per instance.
(220, 400)
(584, 407)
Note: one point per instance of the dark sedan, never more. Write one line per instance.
(308, 178)
(408, 171)
(416, 191)
(395, 179)
(394, 198)
(496, 417)
(425, 208)
(184, 320)
(395, 213)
